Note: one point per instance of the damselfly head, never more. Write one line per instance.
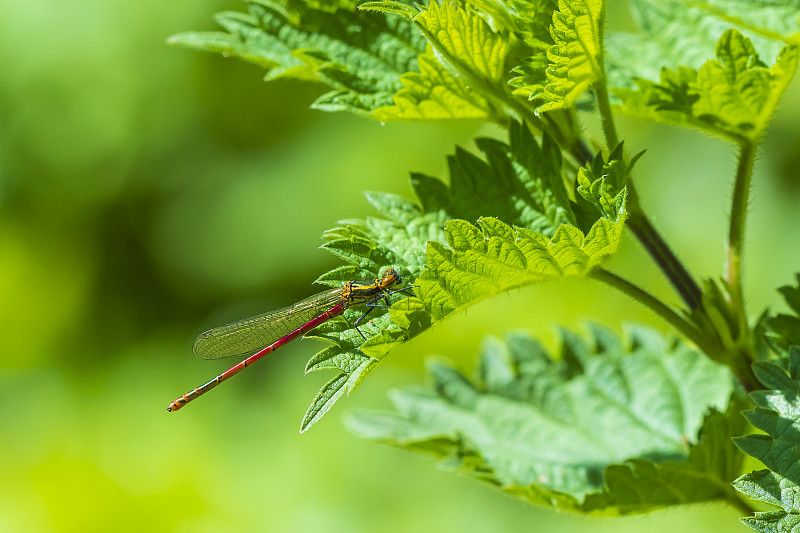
(390, 278)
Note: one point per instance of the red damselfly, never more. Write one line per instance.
(265, 333)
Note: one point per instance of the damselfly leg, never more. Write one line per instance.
(373, 304)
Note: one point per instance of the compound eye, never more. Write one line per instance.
(391, 276)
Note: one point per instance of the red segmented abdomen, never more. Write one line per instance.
(336, 310)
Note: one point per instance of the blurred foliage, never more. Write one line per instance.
(147, 192)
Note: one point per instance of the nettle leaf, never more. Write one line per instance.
(576, 58)
(602, 428)
(360, 56)
(777, 413)
(532, 19)
(520, 182)
(600, 183)
(739, 93)
(462, 42)
(454, 263)
(732, 96)
(368, 247)
(497, 13)
(296, 8)
(783, 330)
(434, 94)
(492, 257)
(679, 33)
(773, 489)
(466, 42)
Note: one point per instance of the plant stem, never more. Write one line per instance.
(741, 191)
(647, 235)
(709, 347)
(606, 116)
(740, 367)
(659, 250)
(659, 308)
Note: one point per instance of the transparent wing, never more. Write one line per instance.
(245, 337)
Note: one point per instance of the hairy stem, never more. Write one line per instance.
(606, 116)
(741, 191)
(708, 346)
(638, 222)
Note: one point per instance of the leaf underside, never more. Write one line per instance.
(602, 429)
(359, 56)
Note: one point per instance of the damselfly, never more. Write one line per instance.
(263, 334)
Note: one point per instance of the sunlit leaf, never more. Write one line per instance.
(453, 263)
(678, 34)
(576, 58)
(733, 96)
(492, 257)
(462, 42)
(434, 94)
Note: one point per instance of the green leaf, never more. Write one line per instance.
(777, 414)
(521, 182)
(600, 183)
(369, 247)
(492, 257)
(397, 8)
(533, 18)
(465, 42)
(497, 13)
(677, 33)
(576, 58)
(360, 56)
(602, 428)
(531, 21)
(462, 42)
(782, 330)
(738, 91)
(434, 94)
(295, 8)
(776, 490)
(733, 96)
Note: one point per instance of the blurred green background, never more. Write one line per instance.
(150, 192)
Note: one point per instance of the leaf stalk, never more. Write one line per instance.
(606, 115)
(706, 345)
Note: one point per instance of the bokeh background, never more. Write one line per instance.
(149, 192)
